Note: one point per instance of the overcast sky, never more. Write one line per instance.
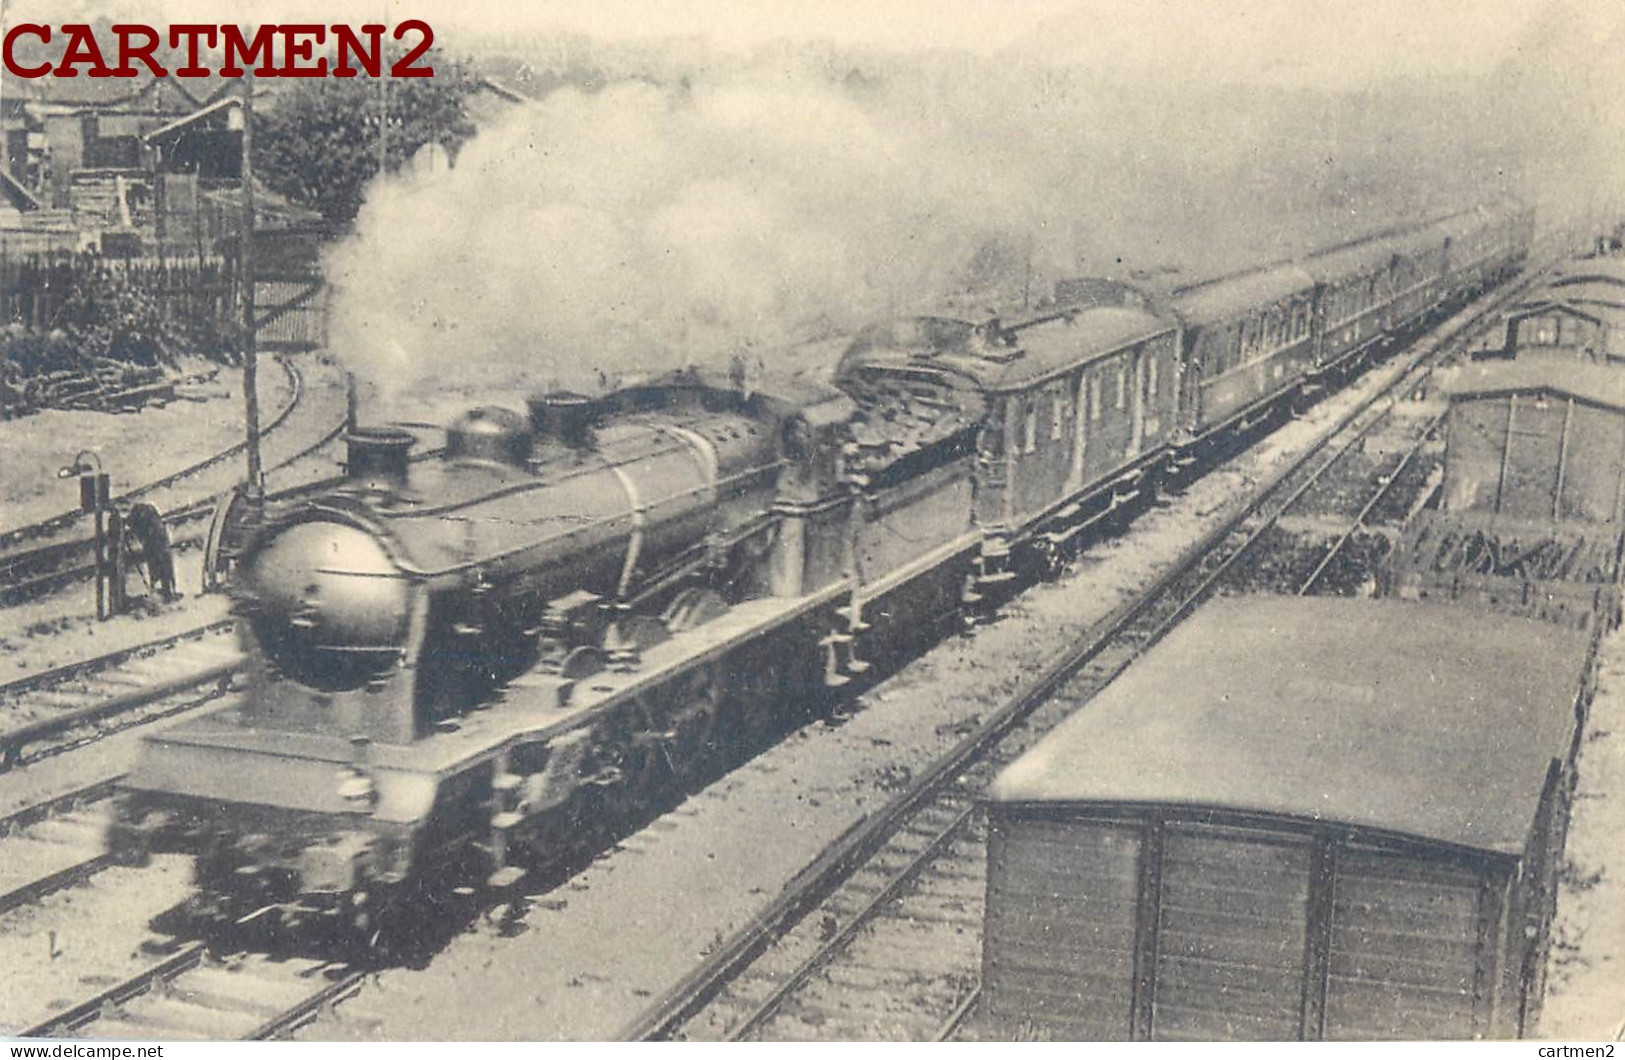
(1319, 42)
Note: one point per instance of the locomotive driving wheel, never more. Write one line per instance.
(1050, 558)
(639, 758)
(759, 716)
(694, 722)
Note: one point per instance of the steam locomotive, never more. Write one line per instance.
(466, 655)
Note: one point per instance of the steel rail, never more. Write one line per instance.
(63, 520)
(1383, 489)
(14, 741)
(90, 1009)
(307, 1009)
(94, 665)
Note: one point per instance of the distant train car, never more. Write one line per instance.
(1533, 498)
(1292, 819)
(1353, 306)
(1248, 339)
(1578, 315)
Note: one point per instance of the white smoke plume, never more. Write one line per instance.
(708, 203)
(642, 227)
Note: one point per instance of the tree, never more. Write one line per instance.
(318, 144)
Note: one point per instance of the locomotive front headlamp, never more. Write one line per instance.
(356, 786)
(83, 464)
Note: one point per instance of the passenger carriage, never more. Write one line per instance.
(1248, 339)
(1048, 423)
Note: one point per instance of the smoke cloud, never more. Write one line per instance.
(641, 227)
(707, 203)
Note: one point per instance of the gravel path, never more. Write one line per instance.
(78, 942)
(135, 448)
(1585, 991)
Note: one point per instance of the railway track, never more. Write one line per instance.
(190, 996)
(60, 709)
(52, 845)
(186, 993)
(31, 571)
(882, 936)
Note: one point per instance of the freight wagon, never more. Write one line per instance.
(1292, 819)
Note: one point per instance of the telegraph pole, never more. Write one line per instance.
(245, 289)
(383, 116)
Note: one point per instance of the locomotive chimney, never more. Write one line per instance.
(378, 455)
(564, 417)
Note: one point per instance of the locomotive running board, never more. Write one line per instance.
(513, 720)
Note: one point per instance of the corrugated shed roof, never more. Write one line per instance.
(181, 124)
(93, 93)
(1427, 720)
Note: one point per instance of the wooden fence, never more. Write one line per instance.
(198, 295)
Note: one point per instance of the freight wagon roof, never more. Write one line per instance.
(1603, 274)
(1425, 720)
(1238, 295)
(1601, 307)
(1608, 294)
(1600, 384)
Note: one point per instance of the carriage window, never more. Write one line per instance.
(1057, 412)
(1094, 401)
(1122, 387)
(1151, 379)
(1030, 442)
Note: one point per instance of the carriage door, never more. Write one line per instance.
(1136, 436)
(1080, 431)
